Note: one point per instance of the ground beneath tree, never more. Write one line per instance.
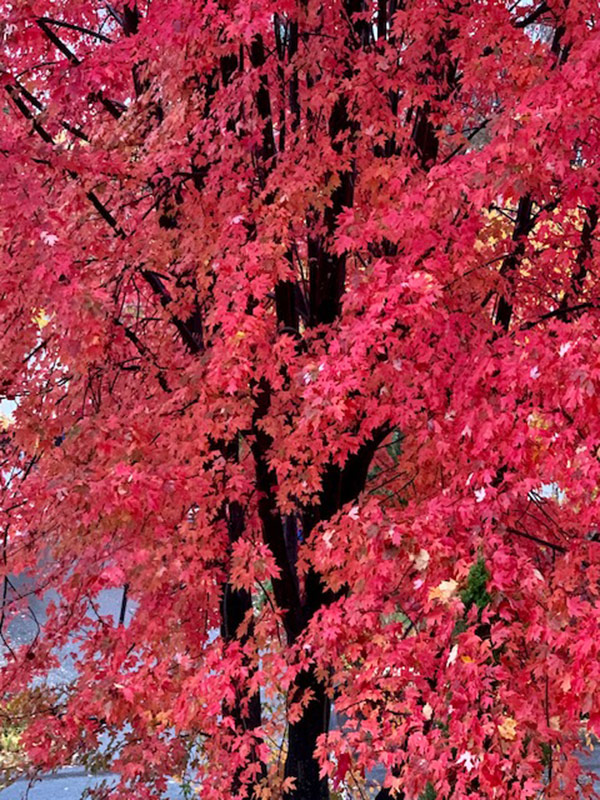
(69, 784)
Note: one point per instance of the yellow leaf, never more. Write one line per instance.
(444, 592)
(508, 728)
(421, 560)
(5, 421)
(40, 318)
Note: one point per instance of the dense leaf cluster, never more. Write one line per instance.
(300, 345)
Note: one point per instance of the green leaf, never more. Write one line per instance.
(394, 448)
(475, 592)
(429, 793)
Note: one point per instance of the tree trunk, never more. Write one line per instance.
(302, 741)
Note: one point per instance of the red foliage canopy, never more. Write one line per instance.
(299, 307)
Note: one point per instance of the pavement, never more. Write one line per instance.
(69, 784)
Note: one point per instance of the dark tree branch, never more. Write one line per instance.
(531, 18)
(557, 312)
(533, 538)
(66, 51)
(71, 26)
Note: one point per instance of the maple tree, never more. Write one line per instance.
(299, 310)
